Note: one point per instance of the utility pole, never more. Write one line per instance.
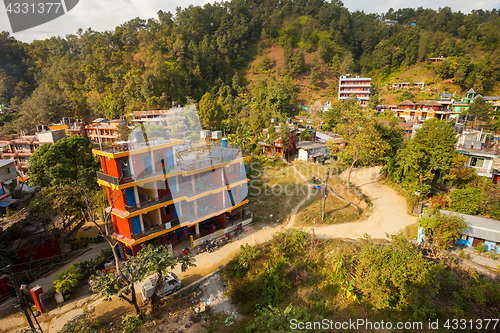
(325, 194)
(21, 298)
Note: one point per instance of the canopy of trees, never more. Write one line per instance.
(148, 64)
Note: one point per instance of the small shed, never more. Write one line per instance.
(312, 151)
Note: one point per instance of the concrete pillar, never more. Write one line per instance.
(197, 228)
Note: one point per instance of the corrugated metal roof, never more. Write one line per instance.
(479, 227)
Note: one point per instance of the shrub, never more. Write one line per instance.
(442, 230)
(273, 319)
(439, 202)
(131, 323)
(467, 200)
(67, 280)
(481, 247)
(397, 277)
(241, 263)
(83, 324)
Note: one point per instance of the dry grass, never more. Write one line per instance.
(273, 196)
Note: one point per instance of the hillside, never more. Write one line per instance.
(257, 60)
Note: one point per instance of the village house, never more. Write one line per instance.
(463, 105)
(22, 147)
(310, 151)
(358, 86)
(276, 147)
(424, 109)
(482, 151)
(479, 230)
(104, 131)
(408, 85)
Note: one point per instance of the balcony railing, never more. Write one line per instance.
(154, 229)
(185, 166)
(149, 203)
(107, 178)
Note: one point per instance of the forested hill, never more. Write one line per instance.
(147, 64)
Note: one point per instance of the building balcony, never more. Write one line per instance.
(149, 203)
(343, 84)
(155, 229)
(107, 178)
(185, 167)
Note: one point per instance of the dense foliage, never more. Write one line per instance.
(298, 276)
(148, 64)
(442, 230)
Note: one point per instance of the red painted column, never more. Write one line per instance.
(35, 293)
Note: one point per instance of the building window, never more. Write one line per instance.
(160, 159)
(166, 210)
(6, 170)
(124, 165)
(231, 170)
(476, 162)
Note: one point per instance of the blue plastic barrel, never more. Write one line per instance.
(224, 143)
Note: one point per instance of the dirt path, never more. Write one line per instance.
(389, 216)
(389, 210)
(291, 222)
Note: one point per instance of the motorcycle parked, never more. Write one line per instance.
(225, 239)
(184, 252)
(238, 230)
(203, 247)
(213, 245)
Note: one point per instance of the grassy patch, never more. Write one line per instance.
(410, 231)
(336, 211)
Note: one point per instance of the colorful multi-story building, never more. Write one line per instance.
(359, 86)
(104, 131)
(21, 148)
(159, 195)
(463, 105)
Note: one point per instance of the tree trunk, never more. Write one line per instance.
(350, 171)
(134, 300)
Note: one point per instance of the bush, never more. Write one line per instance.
(442, 230)
(397, 277)
(83, 324)
(67, 280)
(272, 319)
(131, 323)
(481, 247)
(439, 202)
(240, 265)
(467, 200)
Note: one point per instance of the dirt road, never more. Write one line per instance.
(389, 215)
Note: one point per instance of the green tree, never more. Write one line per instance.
(305, 135)
(430, 153)
(467, 200)
(286, 139)
(364, 144)
(442, 230)
(480, 109)
(44, 106)
(149, 260)
(210, 112)
(67, 280)
(397, 276)
(69, 160)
